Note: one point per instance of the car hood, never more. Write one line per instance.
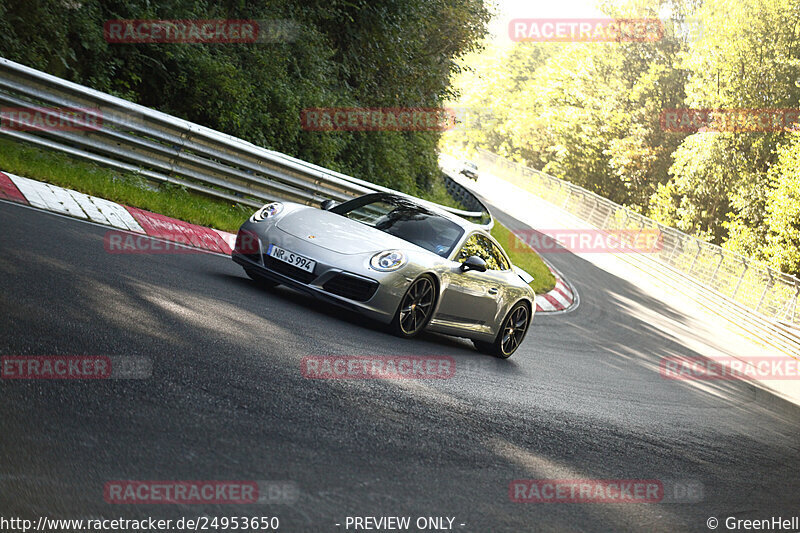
(338, 233)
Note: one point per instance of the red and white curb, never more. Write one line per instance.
(561, 298)
(102, 211)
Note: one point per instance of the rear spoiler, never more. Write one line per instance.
(527, 278)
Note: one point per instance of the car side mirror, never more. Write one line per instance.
(327, 205)
(473, 262)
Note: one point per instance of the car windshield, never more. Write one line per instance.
(404, 219)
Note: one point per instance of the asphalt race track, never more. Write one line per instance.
(582, 398)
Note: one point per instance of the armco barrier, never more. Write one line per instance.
(167, 149)
(751, 293)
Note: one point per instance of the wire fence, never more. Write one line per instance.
(766, 291)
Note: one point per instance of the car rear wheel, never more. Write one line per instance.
(416, 308)
(261, 281)
(511, 333)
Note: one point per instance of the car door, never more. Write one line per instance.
(471, 299)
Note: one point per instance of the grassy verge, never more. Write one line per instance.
(439, 195)
(525, 258)
(129, 189)
(123, 187)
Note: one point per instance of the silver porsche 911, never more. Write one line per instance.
(403, 262)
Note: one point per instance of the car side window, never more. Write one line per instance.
(502, 264)
(470, 248)
(479, 245)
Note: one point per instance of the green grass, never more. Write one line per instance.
(439, 195)
(123, 187)
(129, 189)
(525, 258)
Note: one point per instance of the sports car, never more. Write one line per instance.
(396, 259)
(470, 170)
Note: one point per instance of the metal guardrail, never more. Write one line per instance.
(760, 289)
(467, 199)
(166, 149)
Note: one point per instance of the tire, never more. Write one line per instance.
(516, 325)
(415, 309)
(261, 281)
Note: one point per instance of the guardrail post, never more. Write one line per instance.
(794, 302)
(564, 205)
(787, 312)
(714, 275)
(636, 239)
(604, 225)
(741, 277)
(594, 208)
(766, 288)
(627, 217)
(696, 255)
(674, 249)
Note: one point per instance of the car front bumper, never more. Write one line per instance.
(345, 280)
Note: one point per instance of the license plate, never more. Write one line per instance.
(292, 258)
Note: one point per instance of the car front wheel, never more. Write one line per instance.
(416, 308)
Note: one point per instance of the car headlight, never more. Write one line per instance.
(388, 260)
(268, 211)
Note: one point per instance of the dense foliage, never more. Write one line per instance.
(590, 113)
(355, 53)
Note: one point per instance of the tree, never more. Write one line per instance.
(351, 53)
